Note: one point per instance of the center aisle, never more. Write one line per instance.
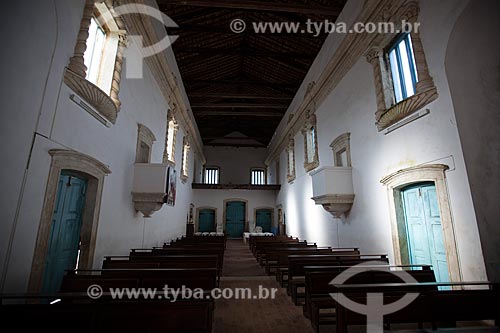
(241, 270)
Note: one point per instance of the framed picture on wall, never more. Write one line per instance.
(171, 186)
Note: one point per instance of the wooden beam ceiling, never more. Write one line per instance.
(243, 82)
(238, 114)
(238, 106)
(271, 6)
(225, 95)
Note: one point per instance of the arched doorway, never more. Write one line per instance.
(413, 177)
(83, 169)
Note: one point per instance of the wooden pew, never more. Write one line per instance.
(253, 240)
(80, 280)
(262, 248)
(76, 313)
(283, 261)
(318, 287)
(176, 251)
(432, 305)
(178, 261)
(271, 258)
(258, 243)
(299, 266)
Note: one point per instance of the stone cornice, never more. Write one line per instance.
(352, 47)
(162, 72)
(426, 168)
(82, 159)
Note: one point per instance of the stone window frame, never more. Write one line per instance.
(95, 172)
(144, 135)
(106, 103)
(339, 145)
(172, 125)
(185, 159)
(309, 129)
(290, 150)
(388, 112)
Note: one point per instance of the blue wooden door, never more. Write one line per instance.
(206, 220)
(263, 218)
(65, 231)
(235, 218)
(424, 230)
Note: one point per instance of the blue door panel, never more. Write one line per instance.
(206, 220)
(65, 231)
(263, 219)
(235, 218)
(424, 229)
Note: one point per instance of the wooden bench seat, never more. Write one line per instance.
(80, 280)
(174, 261)
(298, 267)
(283, 261)
(431, 305)
(318, 288)
(74, 313)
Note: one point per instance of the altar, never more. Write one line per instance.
(246, 235)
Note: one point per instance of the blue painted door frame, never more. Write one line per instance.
(424, 230)
(235, 218)
(65, 230)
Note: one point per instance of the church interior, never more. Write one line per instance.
(250, 166)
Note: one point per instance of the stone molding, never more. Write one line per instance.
(336, 204)
(435, 173)
(95, 172)
(148, 203)
(75, 73)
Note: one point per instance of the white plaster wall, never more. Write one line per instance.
(255, 198)
(62, 124)
(350, 107)
(235, 163)
(473, 69)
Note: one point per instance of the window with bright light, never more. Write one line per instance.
(185, 158)
(311, 144)
(258, 177)
(171, 135)
(290, 161)
(94, 53)
(403, 69)
(211, 175)
(311, 159)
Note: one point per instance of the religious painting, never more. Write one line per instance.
(171, 186)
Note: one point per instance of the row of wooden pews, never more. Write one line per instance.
(87, 298)
(307, 272)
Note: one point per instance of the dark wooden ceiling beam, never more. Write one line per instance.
(245, 52)
(231, 138)
(238, 96)
(237, 114)
(183, 29)
(239, 106)
(258, 6)
(228, 144)
(293, 85)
